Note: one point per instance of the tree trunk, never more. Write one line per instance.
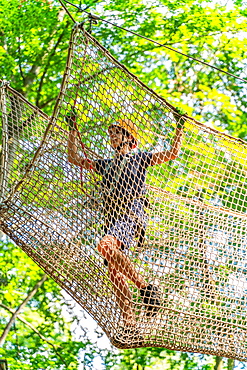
(218, 363)
(11, 130)
(3, 365)
(22, 305)
(230, 364)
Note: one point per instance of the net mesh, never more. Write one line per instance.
(171, 269)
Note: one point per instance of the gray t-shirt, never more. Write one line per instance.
(124, 175)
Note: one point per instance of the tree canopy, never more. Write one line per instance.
(34, 38)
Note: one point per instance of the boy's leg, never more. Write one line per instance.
(109, 248)
(123, 295)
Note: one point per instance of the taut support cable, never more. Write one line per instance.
(95, 17)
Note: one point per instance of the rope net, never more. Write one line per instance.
(176, 277)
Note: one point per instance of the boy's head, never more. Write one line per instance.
(123, 132)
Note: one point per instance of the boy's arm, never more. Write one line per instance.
(172, 154)
(73, 156)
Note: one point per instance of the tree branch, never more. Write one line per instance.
(32, 75)
(34, 70)
(23, 304)
(43, 105)
(20, 66)
(48, 64)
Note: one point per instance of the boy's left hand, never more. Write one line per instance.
(180, 123)
(179, 119)
(70, 118)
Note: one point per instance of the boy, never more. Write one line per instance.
(123, 190)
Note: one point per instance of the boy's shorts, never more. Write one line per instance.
(126, 227)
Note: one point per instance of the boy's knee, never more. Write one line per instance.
(107, 244)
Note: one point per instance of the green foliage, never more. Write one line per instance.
(24, 348)
(34, 41)
(157, 358)
(202, 30)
